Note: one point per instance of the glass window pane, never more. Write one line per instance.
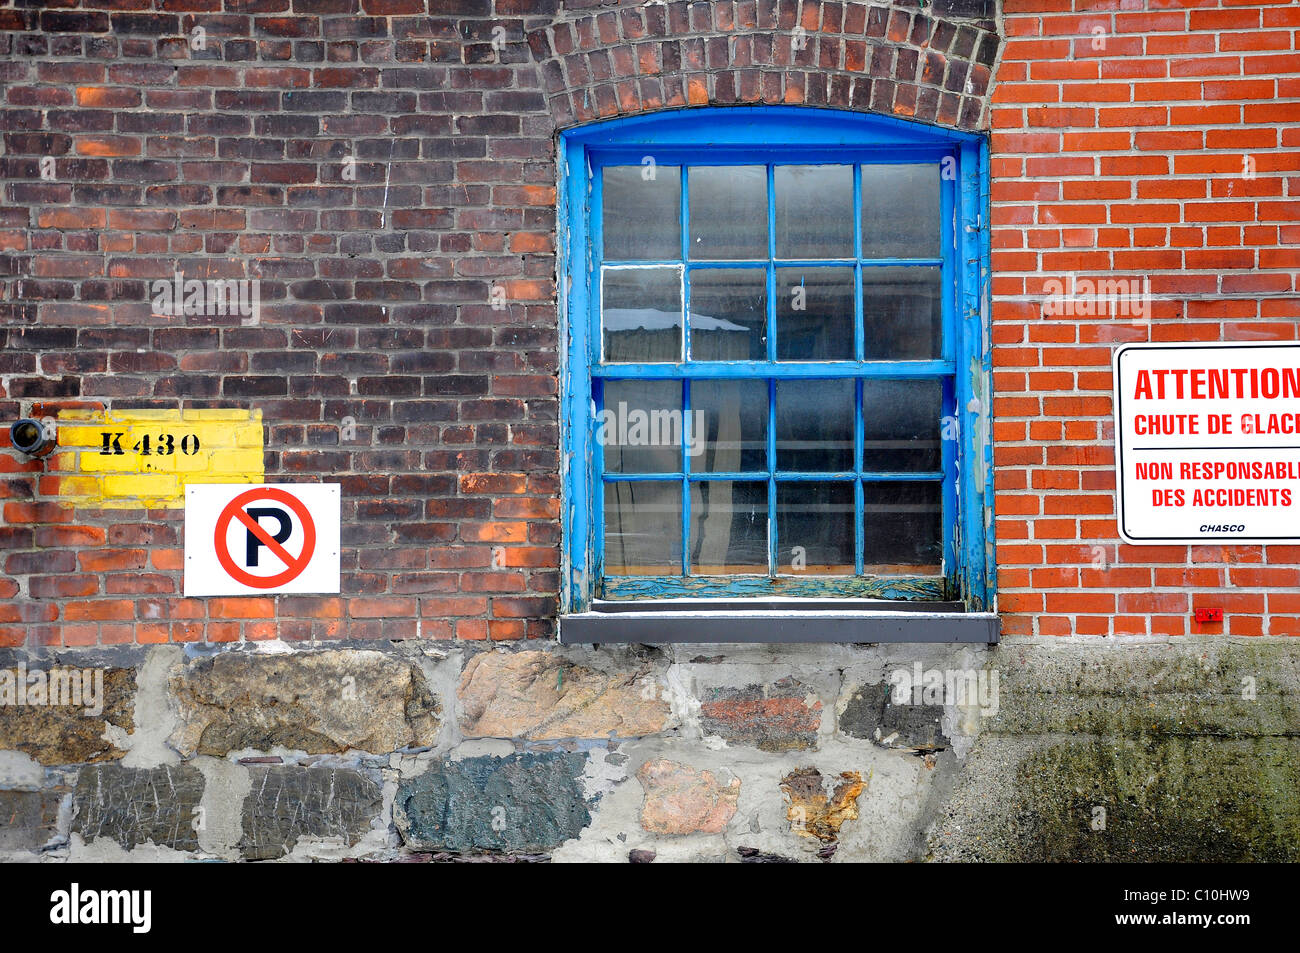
(640, 427)
(903, 527)
(728, 527)
(902, 318)
(814, 426)
(641, 314)
(814, 211)
(900, 211)
(643, 528)
(902, 421)
(728, 314)
(815, 528)
(728, 211)
(642, 212)
(814, 314)
(728, 426)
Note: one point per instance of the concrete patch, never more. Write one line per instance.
(1124, 800)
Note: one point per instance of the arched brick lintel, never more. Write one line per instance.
(892, 59)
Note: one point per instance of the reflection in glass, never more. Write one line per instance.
(815, 528)
(728, 527)
(814, 211)
(728, 314)
(814, 314)
(640, 426)
(902, 420)
(643, 528)
(728, 212)
(642, 212)
(902, 317)
(814, 426)
(902, 527)
(730, 418)
(641, 314)
(900, 211)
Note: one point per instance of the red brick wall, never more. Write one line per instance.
(1124, 134)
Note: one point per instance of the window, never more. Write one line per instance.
(775, 362)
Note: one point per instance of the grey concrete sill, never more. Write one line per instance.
(777, 620)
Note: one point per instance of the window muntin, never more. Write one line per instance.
(918, 314)
(707, 438)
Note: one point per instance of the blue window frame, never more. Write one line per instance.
(832, 449)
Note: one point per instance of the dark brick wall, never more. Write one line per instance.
(888, 58)
(386, 170)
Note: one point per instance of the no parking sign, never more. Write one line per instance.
(269, 538)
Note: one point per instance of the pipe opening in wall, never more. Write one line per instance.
(31, 437)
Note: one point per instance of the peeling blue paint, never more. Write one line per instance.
(776, 135)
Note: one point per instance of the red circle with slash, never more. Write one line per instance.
(235, 510)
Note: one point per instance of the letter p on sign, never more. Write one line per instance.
(243, 540)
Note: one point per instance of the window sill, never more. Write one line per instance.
(778, 621)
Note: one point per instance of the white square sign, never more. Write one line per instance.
(1207, 443)
(243, 540)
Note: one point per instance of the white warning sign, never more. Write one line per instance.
(268, 538)
(1207, 442)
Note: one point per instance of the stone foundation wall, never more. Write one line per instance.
(385, 170)
(1147, 750)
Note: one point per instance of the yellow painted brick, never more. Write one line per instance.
(158, 464)
(193, 462)
(81, 486)
(91, 462)
(229, 451)
(155, 486)
(228, 478)
(79, 436)
(129, 417)
(128, 463)
(249, 435)
(216, 432)
(237, 461)
(212, 436)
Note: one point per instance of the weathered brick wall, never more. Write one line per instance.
(1133, 140)
(376, 280)
(386, 170)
